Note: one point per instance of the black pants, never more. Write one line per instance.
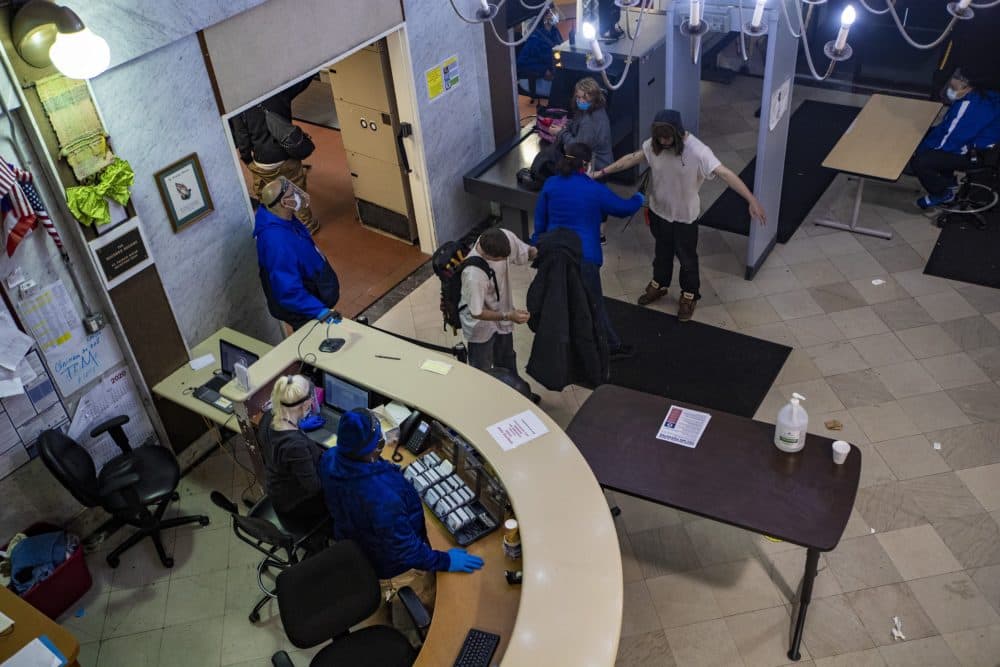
(306, 516)
(497, 351)
(680, 239)
(608, 14)
(936, 169)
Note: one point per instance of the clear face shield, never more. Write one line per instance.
(291, 196)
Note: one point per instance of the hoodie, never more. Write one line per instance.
(298, 281)
(372, 504)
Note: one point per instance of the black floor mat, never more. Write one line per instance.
(969, 254)
(694, 362)
(812, 132)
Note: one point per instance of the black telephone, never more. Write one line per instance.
(413, 433)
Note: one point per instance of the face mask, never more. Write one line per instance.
(297, 199)
(951, 94)
(582, 106)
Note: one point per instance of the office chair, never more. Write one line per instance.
(264, 531)
(322, 597)
(975, 197)
(531, 91)
(135, 487)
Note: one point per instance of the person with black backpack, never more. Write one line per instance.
(486, 309)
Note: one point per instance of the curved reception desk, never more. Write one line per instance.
(568, 608)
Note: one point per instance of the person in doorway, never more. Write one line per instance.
(572, 200)
(373, 504)
(679, 163)
(486, 307)
(535, 59)
(291, 459)
(298, 281)
(608, 15)
(971, 125)
(263, 155)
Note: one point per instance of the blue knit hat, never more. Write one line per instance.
(358, 433)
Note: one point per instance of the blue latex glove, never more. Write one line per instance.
(642, 199)
(462, 561)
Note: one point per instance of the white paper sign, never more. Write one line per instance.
(683, 427)
(517, 430)
(779, 103)
(13, 343)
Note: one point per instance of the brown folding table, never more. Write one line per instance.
(735, 474)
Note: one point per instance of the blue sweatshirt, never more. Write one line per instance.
(535, 56)
(971, 122)
(579, 203)
(298, 282)
(372, 504)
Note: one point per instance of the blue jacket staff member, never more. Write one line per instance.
(573, 200)
(371, 503)
(535, 60)
(298, 281)
(971, 125)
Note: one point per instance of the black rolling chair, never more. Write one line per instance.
(322, 597)
(135, 487)
(280, 544)
(977, 192)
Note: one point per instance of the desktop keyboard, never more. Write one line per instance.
(477, 649)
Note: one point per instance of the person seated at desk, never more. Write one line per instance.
(298, 281)
(971, 125)
(291, 459)
(372, 504)
(535, 60)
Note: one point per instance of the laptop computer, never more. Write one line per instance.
(339, 396)
(229, 356)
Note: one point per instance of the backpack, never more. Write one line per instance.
(544, 165)
(549, 122)
(448, 262)
(296, 143)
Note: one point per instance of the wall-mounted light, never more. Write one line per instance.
(598, 61)
(840, 49)
(45, 34)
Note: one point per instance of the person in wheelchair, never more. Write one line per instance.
(969, 128)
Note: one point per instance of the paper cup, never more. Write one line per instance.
(840, 451)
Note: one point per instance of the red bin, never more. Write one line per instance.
(67, 583)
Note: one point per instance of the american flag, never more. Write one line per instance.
(22, 207)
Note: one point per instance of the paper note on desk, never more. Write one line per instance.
(683, 426)
(13, 343)
(40, 652)
(517, 430)
(202, 361)
(438, 367)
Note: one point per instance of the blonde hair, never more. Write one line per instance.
(589, 86)
(288, 389)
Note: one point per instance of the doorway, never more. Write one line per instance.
(357, 178)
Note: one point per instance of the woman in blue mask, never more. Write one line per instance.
(590, 124)
(291, 459)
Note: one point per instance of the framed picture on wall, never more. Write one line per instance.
(184, 192)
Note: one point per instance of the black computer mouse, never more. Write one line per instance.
(331, 344)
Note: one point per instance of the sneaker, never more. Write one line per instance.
(604, 240)
(652, 293)
(930, 201)
(612, 35)
(623, 351)
(686, 308)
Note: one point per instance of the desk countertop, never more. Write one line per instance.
(570, 607)
(179, 385)
(880, 141)
(29, 623)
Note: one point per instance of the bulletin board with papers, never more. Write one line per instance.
(25, 414)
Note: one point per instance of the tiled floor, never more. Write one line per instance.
(903, 365)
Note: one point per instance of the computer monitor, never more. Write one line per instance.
(230, 354)
(342, 395)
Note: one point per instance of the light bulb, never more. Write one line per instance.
(485, 6)
(758, 13)
(80, 54)
(695, 20)
(848, 15)
(964, 4)
(588, 30)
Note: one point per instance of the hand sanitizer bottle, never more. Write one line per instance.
(793, 422)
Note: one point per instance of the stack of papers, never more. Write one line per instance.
(39, 652)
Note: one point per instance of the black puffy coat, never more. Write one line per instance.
(570, 345)
(250, 134)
